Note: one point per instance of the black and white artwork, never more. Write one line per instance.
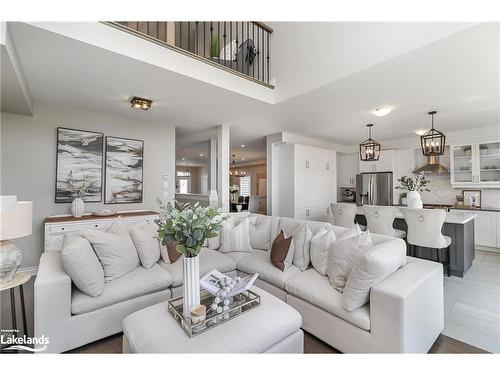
(124, 158)
(78, 165)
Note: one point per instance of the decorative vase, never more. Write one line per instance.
(191, 284)
(10, 260)
(77, 207)
(413, 200)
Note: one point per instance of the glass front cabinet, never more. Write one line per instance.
(475, 164)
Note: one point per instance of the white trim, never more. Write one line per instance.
(488, 249)
(29, 270)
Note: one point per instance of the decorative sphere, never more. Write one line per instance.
(226, 302)
(222, 282)
(219, 309)
(217, 300)
(213, 306)
(226, 289)
(225, 308)
(223, 293)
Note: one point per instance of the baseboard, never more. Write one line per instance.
(29, 270)
(487, 248)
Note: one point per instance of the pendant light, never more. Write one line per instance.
(236, 173)
(432, 141)
(369, 150)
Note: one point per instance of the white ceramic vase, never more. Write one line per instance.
(191, 284)
(77, 207)
(413, 200)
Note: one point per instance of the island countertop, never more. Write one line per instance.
(451, 217)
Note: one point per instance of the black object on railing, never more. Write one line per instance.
(242, 46)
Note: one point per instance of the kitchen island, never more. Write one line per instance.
(459, 226)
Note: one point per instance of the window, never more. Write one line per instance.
(183, 186)
(245, 186)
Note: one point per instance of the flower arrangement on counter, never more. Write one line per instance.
(414, 183)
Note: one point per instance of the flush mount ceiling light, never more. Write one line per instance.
(202, 155)
(432, 141)
(382, 111)
(369, 150)
(243, 146)
(140, 103)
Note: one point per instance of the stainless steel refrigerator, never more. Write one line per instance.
(374, 188)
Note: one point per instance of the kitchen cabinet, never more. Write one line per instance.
(304, 181)
(486, 228)
(347, 166)
(386, 163)
(475, 164)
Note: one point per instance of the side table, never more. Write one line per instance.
(18, 281)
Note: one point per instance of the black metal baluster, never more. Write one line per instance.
(237, 42)
(263, 57)
(196, 39)
(211, 39)
(224, 46)
(258, 52)
(218, 41)
(204, 38)
(255, 46)
(243, 63)
(231, 41)
(180, 35)
(189, 36)
(248, 37)
(268, 58)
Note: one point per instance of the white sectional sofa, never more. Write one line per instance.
(405, 312)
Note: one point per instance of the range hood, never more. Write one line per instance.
(432, 166)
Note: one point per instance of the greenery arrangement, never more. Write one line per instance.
(414, 183)
(188, 226)
(214, 46)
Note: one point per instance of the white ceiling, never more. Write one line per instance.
(456, 73)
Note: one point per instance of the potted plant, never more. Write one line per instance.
(414, 185)
(188, 227)
(79, 191)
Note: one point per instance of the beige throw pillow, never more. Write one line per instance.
(320, 246)
(145, 238)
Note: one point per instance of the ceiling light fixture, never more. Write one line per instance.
(202, 155)
(433, 141)
(243, 146)
(420, 132)
(369, 150)
(382, 111)
(140, 103)
(236, 172)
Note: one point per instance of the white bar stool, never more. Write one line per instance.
(380, 219)
(344, 214)
(424, 229)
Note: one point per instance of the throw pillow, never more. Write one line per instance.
(236, 237)
(169, 253)
(343, 255)
(116, 253)
(320, 245)
(282, 251)
(371, 268)
(82, 265)
(145, 238)
(302, 240)
(260, 231)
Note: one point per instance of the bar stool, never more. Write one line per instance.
(424, 229)
(344, 214)
(380, 219)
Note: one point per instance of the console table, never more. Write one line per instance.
(57, 226)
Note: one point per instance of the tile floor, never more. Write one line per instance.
(472, 304)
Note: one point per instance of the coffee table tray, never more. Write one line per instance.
(240, 304)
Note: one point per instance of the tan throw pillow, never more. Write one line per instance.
(145, 238)
(169, 253)
(282, 251)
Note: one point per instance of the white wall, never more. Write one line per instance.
(28, 161)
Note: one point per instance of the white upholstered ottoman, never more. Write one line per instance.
(273, 327)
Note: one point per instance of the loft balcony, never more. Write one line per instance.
(239, 47)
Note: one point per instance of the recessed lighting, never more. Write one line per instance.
(243, 145)
(421, 131)
(243, 159)
(183, 159)
(202, 155)
(382, 111)
(140, 103)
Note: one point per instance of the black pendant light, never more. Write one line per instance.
(369, 150)
(433, 141)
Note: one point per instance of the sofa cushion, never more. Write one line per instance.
(237, 255)
(315, 289)
(169, 253)
(116, 253)
(282, 251)
(320, 246)
(145, 238)
(209, 260)
(82, 265)
(372, 267)
(139, 282)
(235, 237)
(261, 263)
(233, 218)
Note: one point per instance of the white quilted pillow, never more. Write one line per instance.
(343, 255)
(236, 237)
(371, 268)
(320, 246)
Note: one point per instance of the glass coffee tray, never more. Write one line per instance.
(241, 303)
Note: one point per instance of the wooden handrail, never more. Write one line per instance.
(262, 25)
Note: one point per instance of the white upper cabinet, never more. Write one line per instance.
(348, 165)
(475, 164)
(385, 163)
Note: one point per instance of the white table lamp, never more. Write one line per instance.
(15, 222)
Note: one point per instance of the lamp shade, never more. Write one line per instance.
(16, 218)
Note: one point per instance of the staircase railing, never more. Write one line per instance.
(241, 47)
